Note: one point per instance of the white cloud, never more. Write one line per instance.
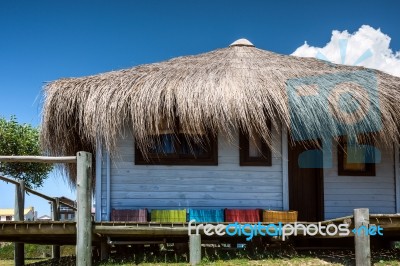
(367, 47)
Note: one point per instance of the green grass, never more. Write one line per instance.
(279, 256)
(283, 254)
(235, 262)
(387, 263)
(295, 261)
(11, 262)
(33, 251)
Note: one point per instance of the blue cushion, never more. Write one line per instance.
(206, 216)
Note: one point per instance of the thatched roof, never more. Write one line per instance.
(238, 86)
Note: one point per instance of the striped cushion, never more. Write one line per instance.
(206, 216)
(168, 216)
(242, 216)
(125, 215)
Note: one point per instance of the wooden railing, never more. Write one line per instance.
(34, 192)
(83, 161)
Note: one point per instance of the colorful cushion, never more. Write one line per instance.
(206, 216)
(242, 216)
(168, 216)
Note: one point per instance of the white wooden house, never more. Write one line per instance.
(146, 127)
(124, 184)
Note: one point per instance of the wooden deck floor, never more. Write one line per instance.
(64, 233)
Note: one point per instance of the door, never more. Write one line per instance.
(305, 185)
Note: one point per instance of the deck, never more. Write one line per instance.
(64, 233)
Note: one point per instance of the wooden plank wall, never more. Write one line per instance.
(226, 185)
(345, 193)
(229, 185)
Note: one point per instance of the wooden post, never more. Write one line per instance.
(195, 249)
(84, 220)
(19, 216)
(104, 249)
(361, 237)
(55, 249)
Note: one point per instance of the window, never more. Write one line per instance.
(254, 151)
(180, 149)
(358, 154)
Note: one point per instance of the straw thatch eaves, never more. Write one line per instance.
(239, 86)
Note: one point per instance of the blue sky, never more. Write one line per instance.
(45, 40)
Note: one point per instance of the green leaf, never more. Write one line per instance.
(22, 139)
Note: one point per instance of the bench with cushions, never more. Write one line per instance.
(204, 215)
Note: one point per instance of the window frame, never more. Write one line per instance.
(246, 159)
(180, 159)
(370, 168)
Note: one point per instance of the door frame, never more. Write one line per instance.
(320, 183)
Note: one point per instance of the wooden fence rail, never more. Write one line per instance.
(38, 159)
(84, 225)
(8, 180)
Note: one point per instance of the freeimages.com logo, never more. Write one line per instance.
(341, 103)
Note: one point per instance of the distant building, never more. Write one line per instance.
(8, 214)
(44, 218)
(67, 213)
